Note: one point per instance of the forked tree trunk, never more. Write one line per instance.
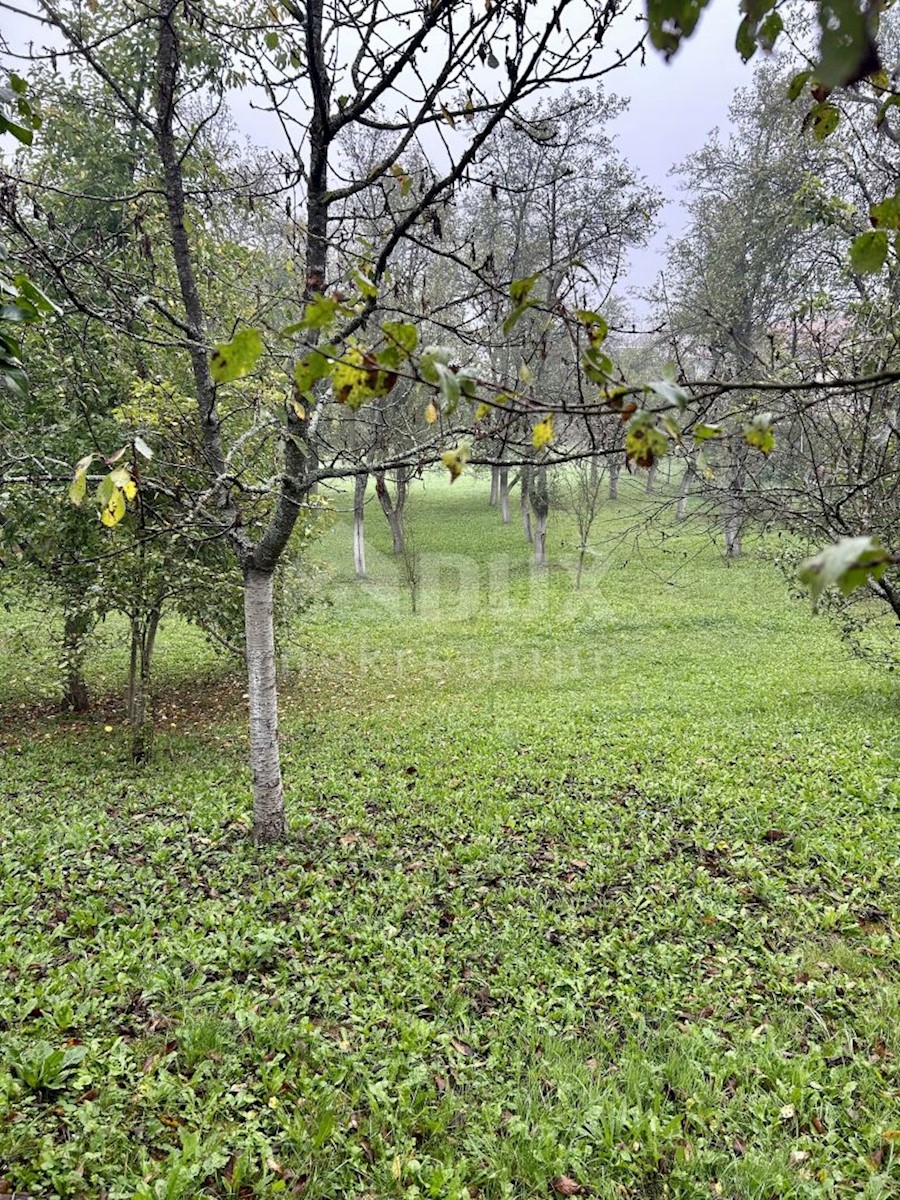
(615, 466)
(504, 495)
(393, 510)
(140, 707)
(265, 760)
(75, 690)
(359, 537)
(495, 486)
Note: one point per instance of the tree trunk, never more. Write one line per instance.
(734, 506)
(359, 539)
(504, 495)
(615, 466)
(525, 500)
(651, 476)
(140, 709)
(539, 498)
(392, 510)
(540, 539)
(684, 490)
(495, 486)
(75, 690)
(581, 556)
(595, 474)
(265, 760)
(733, 545)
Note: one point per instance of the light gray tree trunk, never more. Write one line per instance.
(525, 500)
(684, 490)
(495, 486)
(581, 556)
(615, 466)
(539, 499)
(504, 495)
(540, 539)
(651, 476)
(359, 537)
(265, 760)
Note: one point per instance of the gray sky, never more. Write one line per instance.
(673, 108)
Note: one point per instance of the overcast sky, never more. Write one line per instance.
(672, 109)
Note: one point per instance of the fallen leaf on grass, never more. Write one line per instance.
(566, 1186)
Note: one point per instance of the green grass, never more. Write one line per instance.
(597, 885)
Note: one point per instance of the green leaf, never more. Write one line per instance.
(745, 41)
(319, 312)
(520, 289)
(759, 433)
(513, 318)
(237, 358)
(316, 365)
(847, 564)
(78, 486)
(868, 252)
(272, 40)
(644, 442)
(768, 32)
(797, 84)
(824, 120)
(19, 132)
(671, 20)
(597, 326)
(597, 366)
(365, 285)
(670, 392)
(403, 334)
(847, 50)
(703, 433)
(889, 103)
(431, 359)
(886, 215)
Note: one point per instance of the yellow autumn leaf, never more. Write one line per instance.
(431, 413)
(482, 411)
(130, 489)
(542, 434)
(455, 460)
(114, 509)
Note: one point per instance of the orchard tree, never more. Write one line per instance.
(321, 70)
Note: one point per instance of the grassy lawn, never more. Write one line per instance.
(585, 893)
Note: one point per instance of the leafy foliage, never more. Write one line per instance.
(848, 565)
